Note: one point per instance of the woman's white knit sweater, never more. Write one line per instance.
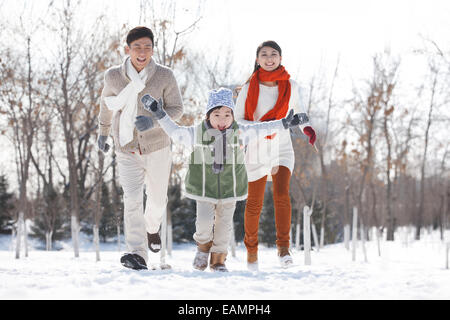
(264, 154)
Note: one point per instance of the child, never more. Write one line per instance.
(216, 176)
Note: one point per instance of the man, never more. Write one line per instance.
(142, 157)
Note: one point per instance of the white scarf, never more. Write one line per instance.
(127, 101)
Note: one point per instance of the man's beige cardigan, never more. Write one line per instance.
(160, 83)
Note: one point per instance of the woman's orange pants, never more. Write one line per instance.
(282, 204)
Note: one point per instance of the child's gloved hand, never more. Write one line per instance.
(143, 123)
(291, 120)
(309, 131)
(153, 106)
(102, 145)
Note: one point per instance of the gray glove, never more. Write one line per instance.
(102, 145)
(302, 118)
(291, 120)
(153, 106)
(143, 123)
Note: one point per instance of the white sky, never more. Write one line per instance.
(311, 33)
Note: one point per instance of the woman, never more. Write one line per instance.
(269, 94)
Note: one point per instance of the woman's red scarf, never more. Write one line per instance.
(280, 109)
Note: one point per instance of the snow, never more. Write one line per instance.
(415, 270)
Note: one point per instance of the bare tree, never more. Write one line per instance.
(303, 179)
(367, 110)
(98, 201)
(387, 76)
(161, 20)
(76, 98)
(18, 103)
(434, 83)
(402, 136)
(438, 88)
(322, 146)
(51, 208)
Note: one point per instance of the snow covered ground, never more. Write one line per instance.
(416, 270)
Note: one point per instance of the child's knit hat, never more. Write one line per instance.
(220, 97)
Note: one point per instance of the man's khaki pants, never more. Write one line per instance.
(214, 223)
(135, 170)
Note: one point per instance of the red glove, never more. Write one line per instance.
(309, 131)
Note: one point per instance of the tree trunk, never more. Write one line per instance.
(322, 236)
(390, 214)
(307, 234)
(316, 241)
(48, 240)
(354, 232)
(19, 234)
(13, 239)
(446, 255)
(375, 217)
(68, 125)
(325, 199)
(22, 203)
(347, 218)
(291, 239)
(297, 235)
(363, 241)
(378, 236)
(321, 155)
(25, 237)
(74, 230)
(419, 221)
(98, 199)
(115, 196)
(73, 189)
(118, 237)
(404, 234)
(96, 243)
(75, 211)
(47, 247)
(444, 206)
(347, 236)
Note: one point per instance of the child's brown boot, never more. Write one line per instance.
(202, 255)
(217, 262)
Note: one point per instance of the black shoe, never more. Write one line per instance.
(133, 261)
(154, 242)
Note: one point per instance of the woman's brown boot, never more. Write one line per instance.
(252, 261)
(285, 257)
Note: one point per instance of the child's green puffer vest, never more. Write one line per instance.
(202, 183)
